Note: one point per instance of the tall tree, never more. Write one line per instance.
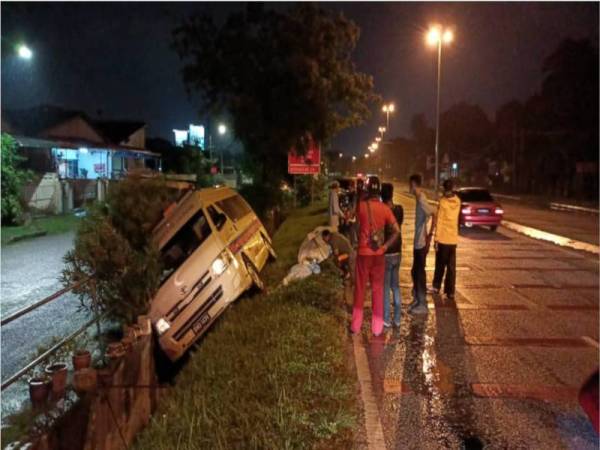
(424, 139)
(571, 84)
(465, 130)
(280, 75)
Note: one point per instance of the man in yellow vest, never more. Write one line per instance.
(446, 239)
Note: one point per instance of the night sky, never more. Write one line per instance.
(115, 57)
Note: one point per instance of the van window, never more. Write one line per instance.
(235, 207)
(183, 243)
(217, 218)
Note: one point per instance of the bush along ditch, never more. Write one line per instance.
(273, 372)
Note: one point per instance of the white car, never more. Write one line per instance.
(213, 247)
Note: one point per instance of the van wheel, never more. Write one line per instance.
(493, 228)
(254, 275)
(269, 247)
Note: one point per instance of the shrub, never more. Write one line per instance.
(13, 179)
(114, 249)
(310, 188)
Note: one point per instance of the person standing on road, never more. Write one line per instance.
(392, 260)
(335, 212)
(446, 239)
(373, 216)
(423, 211)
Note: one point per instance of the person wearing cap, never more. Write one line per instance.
(335, 212)
(373, 216)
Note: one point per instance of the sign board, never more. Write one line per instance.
(214, 170)
(309, 163)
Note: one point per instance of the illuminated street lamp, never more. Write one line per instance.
(221, 129)
(353, 158)
(381, 130)
(387, 109)
(378, 139)
(375, 145)
(366, 156)
(24, 52)
(437, 36)
(341, 155)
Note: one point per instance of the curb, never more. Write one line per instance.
(22, 237)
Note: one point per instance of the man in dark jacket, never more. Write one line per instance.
(392, 261)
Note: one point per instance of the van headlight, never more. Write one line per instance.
(220, 264)
(162, 326)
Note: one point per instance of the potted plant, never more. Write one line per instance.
(39, 388)
(85, 380)
(57, 372)
(82, 359)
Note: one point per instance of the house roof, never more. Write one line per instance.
(34, 121)
(25, 141)
(117, 131)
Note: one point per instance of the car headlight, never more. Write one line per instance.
(162, 326)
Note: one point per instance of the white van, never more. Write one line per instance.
(213, 247)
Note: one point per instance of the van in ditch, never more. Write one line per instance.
(212, 248)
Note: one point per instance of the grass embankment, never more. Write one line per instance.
(273, 372)
(38, 227)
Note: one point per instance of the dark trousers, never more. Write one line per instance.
(445, 260)
(418, 275)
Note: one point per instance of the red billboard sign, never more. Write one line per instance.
(309, 163)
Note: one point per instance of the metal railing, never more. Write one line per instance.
(20, 313)
(36, 305)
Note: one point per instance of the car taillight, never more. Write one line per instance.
(466, 210)
(498, 210)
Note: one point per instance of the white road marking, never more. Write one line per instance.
(375, 439)
(551, 237)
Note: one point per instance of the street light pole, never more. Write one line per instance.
(437, 117)
(222, 129)
(437, 36)
(387, 109)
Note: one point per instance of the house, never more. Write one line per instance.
(74, 146)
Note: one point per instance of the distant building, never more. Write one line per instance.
(193, 136)
(74, 146)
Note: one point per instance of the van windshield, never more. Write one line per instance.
(235, 207)
(183, 244)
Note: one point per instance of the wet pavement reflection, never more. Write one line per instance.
(500, 366)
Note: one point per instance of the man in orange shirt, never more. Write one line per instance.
(373, 216)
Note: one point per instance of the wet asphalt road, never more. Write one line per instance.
(575, 225)
(501, 365)
(30, 272)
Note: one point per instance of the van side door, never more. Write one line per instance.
(223, 224)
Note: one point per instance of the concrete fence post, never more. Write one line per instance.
(67, 195)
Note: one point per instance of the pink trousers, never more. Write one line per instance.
(371, 268)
